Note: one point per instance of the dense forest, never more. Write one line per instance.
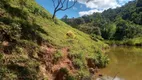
(122, 23)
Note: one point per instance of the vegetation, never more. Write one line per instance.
(58, 55)
(101, 60)
(28, 38)
(120, 24)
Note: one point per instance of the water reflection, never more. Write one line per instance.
(109, 78)
(126, 61)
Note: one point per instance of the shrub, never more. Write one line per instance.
(57, 56)
(28, 47)
(81, 74)
(101, 60)
(10, 32)
(5, 74)
(1, 56)
(69, 77)
(14, 11)
(18, 50)
(129, 42)
(64, 70)
(78, 60)
(95, 37)
(66, 73)
(77, 55)
(78, 63)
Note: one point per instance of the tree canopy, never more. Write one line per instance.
(121, 23)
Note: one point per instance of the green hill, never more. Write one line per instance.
(34, 47)
(122, 24)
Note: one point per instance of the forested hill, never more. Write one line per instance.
(113, 24)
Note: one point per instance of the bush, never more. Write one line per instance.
(11, 32)
(57, 56)
(78, 60)
(96, 37)
(69, 77)
(129, 42)
(82, 74)
(77, 55)
(31, 48)
(101, 60)
(14, 11)
(64, 70)
(19, 67)
(66, 74)
(5, 74)
(1, 56)
(18, 50)
(78, 63)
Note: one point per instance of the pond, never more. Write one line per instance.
(125, 64)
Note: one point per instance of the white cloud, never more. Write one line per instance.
(82, 13)
(99, 5)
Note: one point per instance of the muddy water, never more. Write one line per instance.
(125, 63)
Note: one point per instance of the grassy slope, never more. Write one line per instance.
(35, 27)
(57, 32)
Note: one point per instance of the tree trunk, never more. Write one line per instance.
(54, 15)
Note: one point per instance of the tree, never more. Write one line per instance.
(139, 3)
(64, 18)
(62, 5)
(108, 31)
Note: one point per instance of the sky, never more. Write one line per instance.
(83, 7)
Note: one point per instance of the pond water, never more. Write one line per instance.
(125, 64)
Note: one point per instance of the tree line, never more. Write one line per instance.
(113, 24)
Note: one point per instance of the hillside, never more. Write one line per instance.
(35, 47)
(120, 24)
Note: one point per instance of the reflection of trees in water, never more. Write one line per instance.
(109, 78)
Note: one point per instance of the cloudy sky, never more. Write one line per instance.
(83, 7)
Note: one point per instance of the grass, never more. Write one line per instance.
(134, 42)
(26, 26)
(128, 42)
